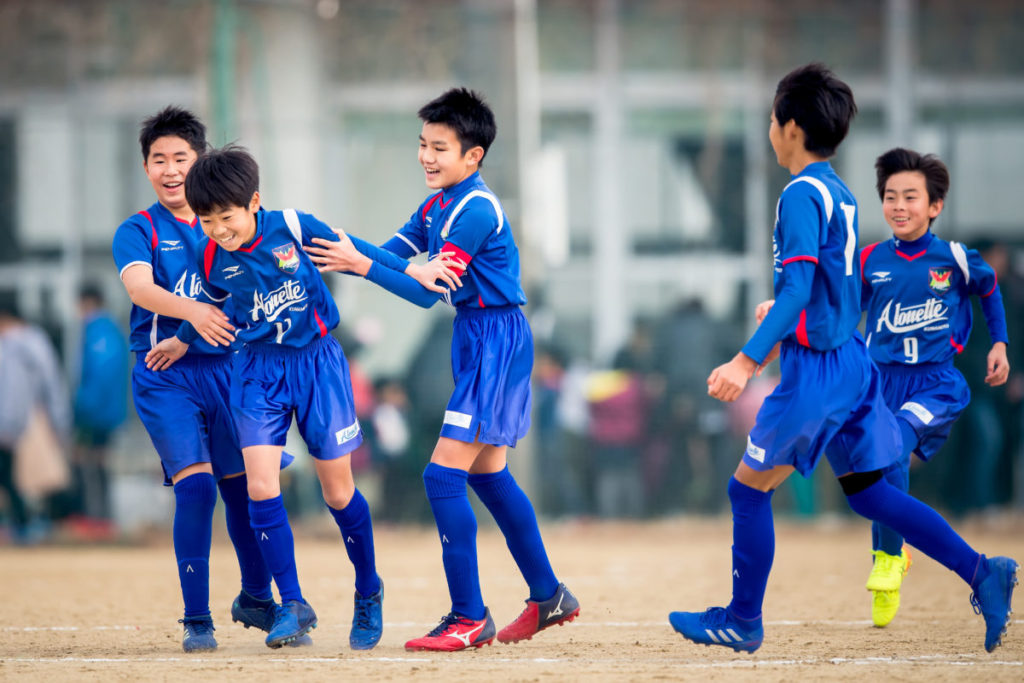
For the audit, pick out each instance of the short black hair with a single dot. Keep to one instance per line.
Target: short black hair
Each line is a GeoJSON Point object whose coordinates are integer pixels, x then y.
{"type": "Point", "coordinates": [898, 160]}
{"type": "Point", "coordinates": [222, 178]}
{"type": "Point", "coordinates": [466, 113]}
{"type": "Point", "coordinates": [9, 307]}
{"type": "Point", "coordinates": [174, 121]}
{"type": "Point", "coordinates": [91, 291]}
{"type": "Point", "coordinates": [821, 104]}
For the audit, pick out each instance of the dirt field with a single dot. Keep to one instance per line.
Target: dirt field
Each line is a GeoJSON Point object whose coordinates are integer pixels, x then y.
{"type": "Point", "coordinates": [109, 613]}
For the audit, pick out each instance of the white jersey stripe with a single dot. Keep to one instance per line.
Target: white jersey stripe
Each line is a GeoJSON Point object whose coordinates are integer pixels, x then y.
{"type": "Point", "coordinates": [960, 255]}
{"type": "Point", "coordinates": [134, 263]}
{"type": "Point", "coordinates": [294, 226]}
{"type": "Point", "coordinates": [475, 193]}
{"type": "Point", "coordinates": [820, 186]}
{"type": "Point", "coordinates": [415, 250]}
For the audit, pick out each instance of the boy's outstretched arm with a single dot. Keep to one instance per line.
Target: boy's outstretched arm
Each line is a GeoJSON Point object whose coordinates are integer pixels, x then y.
{"type": "Point", "coordinates": [208, 320]}
{"type": "Point", "coordinates": [352, 255]}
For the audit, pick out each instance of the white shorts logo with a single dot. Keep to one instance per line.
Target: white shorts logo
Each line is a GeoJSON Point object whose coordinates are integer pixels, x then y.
{"type": "Point", "coordinates": [755, 452]}
{"type": "Point", "coordinates": [463, 420]}
{"type": "Point", "coordinates": [348, 433]}
{"type": "Point", "coordinates": [919, 411]}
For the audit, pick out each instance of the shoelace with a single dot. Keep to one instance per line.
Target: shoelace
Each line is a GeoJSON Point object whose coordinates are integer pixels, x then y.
{"type": "Point", "coordinates": [199, 627]}
{"type": "Point", "coordinates": [975, 603]}
{"type": "Point", "coordinates": [362, 614]}
{"type": "Point", "coordinates": [715, 616]}
{"type": "Point", "coordinates": [447, 621]}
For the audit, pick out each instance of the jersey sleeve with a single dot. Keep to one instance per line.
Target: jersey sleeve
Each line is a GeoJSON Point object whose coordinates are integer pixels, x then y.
{"type": "Point", "coordinates": [478, 219]}
{"type": "Point", "coordinates": [793, 296]}
{"type": "Point", "coordinates": [802, 224]}
{"type": "Point", "coordinates": [133, 244]}
{"type": "Point", "coordinates": [411, 238]}
{"type": "Point", "coordinates": [984, 283]}
{"type": "Point", "coordinates": [983, 278]}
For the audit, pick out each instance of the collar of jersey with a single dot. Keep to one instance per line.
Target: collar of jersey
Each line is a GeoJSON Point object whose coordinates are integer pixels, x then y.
{"type": "Point", "coordinates": [814, 168]}
{"type": "Point", "coordinates": [170, 216]}
{"type": "Point", "coordinates": [915, 247]}
{"type": "Point", "coordinates": [461, 186]}
{"type": "Point", "coordinates": [256, 236]}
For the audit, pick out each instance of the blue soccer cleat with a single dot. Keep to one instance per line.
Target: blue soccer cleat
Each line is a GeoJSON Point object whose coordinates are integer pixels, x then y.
{"type": "Point", "coordinates": [367, 620]}
{"type": "Point", "coordinates": [198, 635]}
{"type": "Point", "coordinates": [992, 598]}
{"type": "Point", "coordinates": [256, 613]}
{"type": "Point", "coordinates": [253, 612]}
{"type": "Point", "coordinates": [292, 620]}
{"type": "Point", "coordinates": [716, 626]}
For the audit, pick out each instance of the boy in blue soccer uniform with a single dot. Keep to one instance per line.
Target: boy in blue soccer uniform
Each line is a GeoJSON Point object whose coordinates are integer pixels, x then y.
{"type": "Point", "coordinates": [492, 356]}
{"type": "Point", "coordinates": [288, 363]}
{"type": "Point", "coordinates": [916, 289]}
{"type": "Point", "coordinates": [185, 410]}
{"type": "Point", "coordinates": [829, 397]}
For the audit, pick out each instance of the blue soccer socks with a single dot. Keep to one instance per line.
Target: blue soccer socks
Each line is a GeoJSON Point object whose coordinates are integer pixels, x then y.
{"type": "Point", "coordinates": [753, 548]}
{"type": "Point", "coordinates": [919, 524]}
{"type": "Point", "coordinates": [255, 574]}
{"type": "Point", "coordinates": [195, 497]}
{"type": "Point", "coordinates": [274, 537]}
{"type": "Point", "coordinates": [357, 533]}
{"type": "Point", "coordinates": [515, 516]}
{"type": "Point", "coordinates": [456, 527]}
{"type": "Point", "coordinates": [883, 537]}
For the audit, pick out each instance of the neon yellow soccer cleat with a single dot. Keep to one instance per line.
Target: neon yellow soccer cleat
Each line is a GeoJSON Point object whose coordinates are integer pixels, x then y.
{"type": "Point", "coordinates": [884, 582]}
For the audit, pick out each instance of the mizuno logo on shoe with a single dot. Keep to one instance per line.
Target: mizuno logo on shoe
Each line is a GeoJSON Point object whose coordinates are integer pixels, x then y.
{"type": "Point", "coordinates": [558, 608]}
{"type": "Point", "coordinates": [465, 637]}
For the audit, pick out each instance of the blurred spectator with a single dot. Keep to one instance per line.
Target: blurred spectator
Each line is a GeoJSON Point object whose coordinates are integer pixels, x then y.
{"type": "Point", "coordinates": [400, 467]}
{"type": "Point", "coordinates": [618, 431]}
{"type": "Point", "coordinates": [559, 487]}
{"type": "Point", "coordinates": [689, 426]}
{"type": "Point", "coordinates": [100, 408]}
{"type": "Point", "coordinates": [34, 422]}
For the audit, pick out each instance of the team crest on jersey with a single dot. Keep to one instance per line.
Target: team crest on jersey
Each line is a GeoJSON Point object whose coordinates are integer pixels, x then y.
{"type": "Point", "coordinates": [938, 279]}
{"type": "Point", "coordinates": [287, 258]}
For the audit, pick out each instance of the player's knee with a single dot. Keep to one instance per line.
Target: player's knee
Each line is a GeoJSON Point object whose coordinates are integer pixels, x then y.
{"type": "Point", "coordinates": [260, 488]}
{"type": "Point", "coordinates": [338, 494]}
{"type": "Point", "coordinates": [859, 481]}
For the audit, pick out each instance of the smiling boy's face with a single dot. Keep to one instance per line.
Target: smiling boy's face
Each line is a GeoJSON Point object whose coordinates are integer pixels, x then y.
{"type": "Point", "coordinates": [231, 227]}
{"type": "Point", "coordinates": [906, 206]}
{"type": "Point", "coordinates": [442, 157]}
{"type": "Point", "coordinates": [169, 160]}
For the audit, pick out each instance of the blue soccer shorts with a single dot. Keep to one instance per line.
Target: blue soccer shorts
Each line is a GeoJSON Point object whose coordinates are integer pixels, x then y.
{"type": "Point", "coordinates": [826, 402]}
{"type": "Point", "coordinates": [271, 382]}
{"type": "Point", "coordinates": [929, 397]}
{"type": "Point", "coordinates": [185, 409]}
{"type": "Point", "coordinates": [492, 358]}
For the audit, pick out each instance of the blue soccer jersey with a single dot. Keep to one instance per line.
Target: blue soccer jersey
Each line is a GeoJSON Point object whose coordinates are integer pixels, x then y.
{"type": "Point", "coordinates": [467, 219]}
{"type": "Point", "coordinates": [171, 248]}
{"type": "Point", "coordinates": [277, 294]}
{"type": "Point", "coordinates": [918, 304]}
{"type": "Point", "coordinates": [816, 221]}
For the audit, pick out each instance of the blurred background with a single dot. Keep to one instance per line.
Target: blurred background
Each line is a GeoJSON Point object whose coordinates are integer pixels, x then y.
{"type": "Point", "coordinates": [632, 159]}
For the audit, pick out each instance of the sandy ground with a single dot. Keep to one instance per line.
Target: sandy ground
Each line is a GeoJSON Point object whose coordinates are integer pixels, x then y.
{"type": "Point", "coordinates": [109, 613]}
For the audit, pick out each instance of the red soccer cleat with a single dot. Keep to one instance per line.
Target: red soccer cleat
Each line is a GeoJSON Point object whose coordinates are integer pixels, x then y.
{"type": "Point", "coordinates": [558, 609]}
{"type": "Point", "coordinates": [456, 633]}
